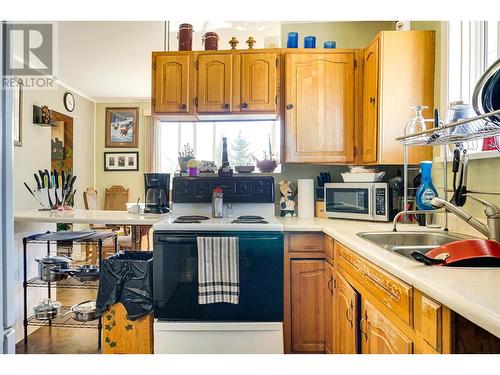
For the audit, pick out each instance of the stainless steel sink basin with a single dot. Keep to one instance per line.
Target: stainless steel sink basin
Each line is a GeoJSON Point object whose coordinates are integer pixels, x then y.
{"type": "Point", "coordinates": [403, 243]}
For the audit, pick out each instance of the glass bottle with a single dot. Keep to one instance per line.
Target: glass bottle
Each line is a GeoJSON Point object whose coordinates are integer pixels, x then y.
{"type": "Point", "coordinates": [426, 190]}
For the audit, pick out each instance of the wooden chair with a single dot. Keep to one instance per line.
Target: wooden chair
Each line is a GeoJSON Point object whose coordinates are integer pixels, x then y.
{"type": "Point", "coordinates": [91, 202]}
{"type": "Point", "coordinates": [116, 198]}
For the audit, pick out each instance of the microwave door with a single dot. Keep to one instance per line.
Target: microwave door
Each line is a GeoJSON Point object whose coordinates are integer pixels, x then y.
{"type": "Point", "coordinates": [348, 202]}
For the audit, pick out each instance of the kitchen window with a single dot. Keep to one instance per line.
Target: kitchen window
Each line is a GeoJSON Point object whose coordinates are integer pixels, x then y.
{"type": "Point", "coordinates": [472, 47]}
{"type": "Point", "coordinates": [246, 140]}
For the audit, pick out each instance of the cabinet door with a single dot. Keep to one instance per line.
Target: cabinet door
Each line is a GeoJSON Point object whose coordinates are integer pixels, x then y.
{"type": "Point", "coordinates": [172, 84]}
{"type": "Point", "coordinates": [347, 317]}
{"type": "Point", "coordinates": [370, 103]}
{"type": "Point", "coordinates": [381, 335]}
{"type": "Point", "coordinates": [308, 317]}
{"type": "Point", "coordinates": [213, 88]}
{"type": "Point", "coordinates": [319, 107]}
{"type": "Point", "coordinates": [329, 308]}
{"type": "Point", "coordinates": [258, 82]}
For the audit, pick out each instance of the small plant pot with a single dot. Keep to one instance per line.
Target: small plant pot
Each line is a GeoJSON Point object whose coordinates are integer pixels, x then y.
{"type": "Point", "coordinates": [266, 165]}
{"type": "Point", "coordinates": [183, 162]}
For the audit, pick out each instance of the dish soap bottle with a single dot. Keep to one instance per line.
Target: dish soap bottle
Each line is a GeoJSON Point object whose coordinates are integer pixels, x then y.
{"type": "Point", "coordinates": [426, 191]}
{"type": "Point", "coordinates": [217, 203]}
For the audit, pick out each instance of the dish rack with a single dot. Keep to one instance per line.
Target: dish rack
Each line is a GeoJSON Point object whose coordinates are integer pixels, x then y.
{"type": "Point", "coordinates": [478, 127]}
{"type": "Point", "coordinates": [49, 239]}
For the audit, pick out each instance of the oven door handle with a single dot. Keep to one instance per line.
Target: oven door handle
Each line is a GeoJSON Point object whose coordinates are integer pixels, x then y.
{"type": "Point", "coordinates": [372, 202]}
{"type": "Point", "coordinates": [178, 240]}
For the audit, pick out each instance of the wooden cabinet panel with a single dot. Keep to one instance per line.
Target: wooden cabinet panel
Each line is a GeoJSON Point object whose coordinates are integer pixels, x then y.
{"type": "Point", "coordinates": [329, 291]}
{"type": "Point", "coordinates": [347, 317]}
{"type": "Point", "coordinates": [172, 83]}
{"type": "Point", "coordinates": [307, 305]}
{"type": "Point", "coordinates": [305, 242]}
{"type": "Point", "coordinates": [370, 103]}
{"type": "Point", "coordinates": [258, 82]}
{"type": "Point", "coordinates": [431, 315]}
{"type": "Point", "coordinates": [380, 335]}
{"type": "Point", "coordinates": [214, 83]}
{"type": "Point", "coordinates": [392, 292]}
{"type": "Point", "coordinates": [319, 102]}
{"type": "Point", "coordinates": [328, 246]}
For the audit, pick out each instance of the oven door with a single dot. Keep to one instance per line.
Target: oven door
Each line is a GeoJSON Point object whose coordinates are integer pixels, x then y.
{"type": "Point", "coordinates": [175, 273]}
{"type": "Point", "coordinates": [349, 201]}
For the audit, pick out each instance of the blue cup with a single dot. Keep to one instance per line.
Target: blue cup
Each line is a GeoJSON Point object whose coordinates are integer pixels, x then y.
{"type": "Point", "coordinates": [293, 40]}
{"type": "Point", "coordinates": [310, 42]}
{"type": "Point", "coordinates": [330, 44]}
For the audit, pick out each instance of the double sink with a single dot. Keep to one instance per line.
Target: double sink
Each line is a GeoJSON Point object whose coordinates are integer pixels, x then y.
{"type": "Point", "coordinates": [403, 243]}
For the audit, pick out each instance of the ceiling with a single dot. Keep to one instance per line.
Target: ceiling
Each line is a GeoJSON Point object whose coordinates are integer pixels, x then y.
{"type": "Point", "coordinates": [111, 60]}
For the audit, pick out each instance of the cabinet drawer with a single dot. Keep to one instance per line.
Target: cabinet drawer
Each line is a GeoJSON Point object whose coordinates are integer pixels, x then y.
{"type": "Point", "coordinates": [305, 242]}
{"type": "Point", "coordinates": [393, 293]}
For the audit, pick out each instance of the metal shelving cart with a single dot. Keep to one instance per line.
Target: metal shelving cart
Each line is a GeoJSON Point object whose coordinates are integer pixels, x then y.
{"type": "Point", "coordinates": [62, 320]}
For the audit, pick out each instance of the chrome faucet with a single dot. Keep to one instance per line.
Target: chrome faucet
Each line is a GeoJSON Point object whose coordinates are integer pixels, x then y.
{"type": "Point", "coordinates": [413, 212]}
{"type": "Point", "coordinates": [492, 230]}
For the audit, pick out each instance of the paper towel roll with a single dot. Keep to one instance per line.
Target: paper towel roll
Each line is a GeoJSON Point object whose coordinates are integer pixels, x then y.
{"type": "Point", "coordinates": [305, 193]}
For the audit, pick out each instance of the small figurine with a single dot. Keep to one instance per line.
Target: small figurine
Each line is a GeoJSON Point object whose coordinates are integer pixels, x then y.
{"type": "Point", "coordinates": [233, 42]}
{"type": "Point", "coordinates": [251, 41]}
{"type": "Point", "coordinates": [47, 116]}
{"type": "Point", "coordinates": [287, 202]}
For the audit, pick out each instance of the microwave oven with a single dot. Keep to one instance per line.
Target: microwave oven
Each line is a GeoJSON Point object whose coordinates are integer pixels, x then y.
{"type": "Point", "coordinates": [359, 200]}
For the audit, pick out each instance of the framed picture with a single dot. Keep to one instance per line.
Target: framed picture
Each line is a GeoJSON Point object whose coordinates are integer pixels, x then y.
{"type": "Point", "coordinates": [121, 161]}
{"type": "Point", "coordinates": [122, 127]}
{"type": "Point", "coordinates": [17, 110]}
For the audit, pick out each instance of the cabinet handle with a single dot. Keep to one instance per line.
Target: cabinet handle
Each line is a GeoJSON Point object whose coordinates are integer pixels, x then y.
{"type": "Point", "coordinates": [226, 106]}
{"type": "Point", "coordinates": [289, 106]}
{"type": "Point", "coordinates": [361, 326]}
{"type": "Point", "coordinates": [244, 105]}
{"type": "Point", "coordinates": [182, 106]}
{"type": "Point", "coordinates": [330, 282]}
{"type": "Point", "coordinates": [372, 100]}
{"type": "Point", "coordinates": [349, 310]}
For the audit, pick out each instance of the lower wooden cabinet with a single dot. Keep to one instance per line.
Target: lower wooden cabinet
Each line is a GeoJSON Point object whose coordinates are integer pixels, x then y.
{"type": "Point", "coordinates": [329, 301]}
{"type": "Point", "coordinates": [346, 317]}
{"type": "Point", "coordinates": [380, 335]}
{"type": "Point", "coordinates": [308, 284]}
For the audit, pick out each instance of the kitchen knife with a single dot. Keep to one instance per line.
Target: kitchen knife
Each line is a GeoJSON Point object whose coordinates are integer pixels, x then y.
{"type": "Point", "coordinates": [42, 179]}
{"type": "Point", "coordinates": [38, 185]}
{"type": "Point", "coordinates": [71, 183]}
{"type": "Point", "coordinates": [63, 180]}
{"type": "Point", "coordinates": [45, 181]}
{"type": "Point", "coordinates": [56, 179]}
{"type": "Point", "coordinates": [47, 173]}
{"type": "Point", "coordinates": [31, 192]}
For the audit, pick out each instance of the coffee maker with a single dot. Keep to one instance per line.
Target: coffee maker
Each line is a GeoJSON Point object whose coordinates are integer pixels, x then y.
{"type": "Point", "coordinates": [157, 188]}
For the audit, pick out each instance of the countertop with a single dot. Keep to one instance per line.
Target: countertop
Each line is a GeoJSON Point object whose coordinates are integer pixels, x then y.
{"type": "Point", "coordinates": [472, 293]}
{"type": "Point", "coordinates": [78, 216]}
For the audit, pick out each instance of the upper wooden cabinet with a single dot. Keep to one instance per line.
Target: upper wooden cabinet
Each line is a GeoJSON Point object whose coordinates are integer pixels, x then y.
{"type": "Point", "coordinates": [258, 78]}
{"type": "Point", "coordinates": [214, 82]}
{"type": "Point", "coordinates": [196, 85]}
{"type": "Point", "coordinates": [398, 74]}
{"type": "Point", "coordinates": [172, 83]}
{"type": "Point", "coordinates": [319, 107]}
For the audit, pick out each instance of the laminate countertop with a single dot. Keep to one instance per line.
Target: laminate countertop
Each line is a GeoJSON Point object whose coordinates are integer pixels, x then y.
{"type": "Point", "coordinates": [471, 292]}
{"type": "Point", "coordinates": [78, 216]}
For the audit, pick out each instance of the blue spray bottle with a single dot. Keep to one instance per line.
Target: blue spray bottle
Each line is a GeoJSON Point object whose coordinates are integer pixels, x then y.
{"type": "Point", "coordinates": [426, 191]}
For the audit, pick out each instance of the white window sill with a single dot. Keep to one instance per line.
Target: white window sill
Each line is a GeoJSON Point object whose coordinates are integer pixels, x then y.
{"type": "Point", "coordinates": [472, 156]}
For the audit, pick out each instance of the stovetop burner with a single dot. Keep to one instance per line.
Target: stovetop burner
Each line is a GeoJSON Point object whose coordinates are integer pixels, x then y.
{"type": "Point", "coordinates": [190, 219]}
{"type": "Point", "coordinates": [249, 219]}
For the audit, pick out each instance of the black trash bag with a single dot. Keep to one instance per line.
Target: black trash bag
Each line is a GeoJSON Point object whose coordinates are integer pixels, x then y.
{"type": "Point", "coordinates": [127, 277]}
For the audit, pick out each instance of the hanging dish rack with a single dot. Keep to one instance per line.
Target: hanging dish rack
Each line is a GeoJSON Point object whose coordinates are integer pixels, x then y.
{"type": "Point", "coordinates": [477, 127]}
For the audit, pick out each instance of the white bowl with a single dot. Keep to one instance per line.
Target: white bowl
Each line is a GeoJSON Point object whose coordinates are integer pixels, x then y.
{"type": "Point", "coordinates": [363, 177]}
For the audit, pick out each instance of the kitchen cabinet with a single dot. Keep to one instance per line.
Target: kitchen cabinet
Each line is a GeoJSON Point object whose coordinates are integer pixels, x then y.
{"type": "Point", "coordinates": [320, 107]}
{"type": "Point", "coordinates": [214, 82]}
{"type": "Point", "coordinates": [380, 335]}
{"type": "Point", "coordinates": [398, 73]}
{"type": "Point", "coordinates": [172, 83]}
{"type": "Point", "coordinates": [346, 317]}
{"type": "Point", "coordinates": [308, 283]}
{"type": "Point", "coordinates": [257, 82]}
{"type": "Point", "coordinates": [329, 309]}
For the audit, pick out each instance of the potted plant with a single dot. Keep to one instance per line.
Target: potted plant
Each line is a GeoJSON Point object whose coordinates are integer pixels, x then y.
{"type": "Point", "coordinates": [185, 155]}
{"type": "Point", "coordinates": [267, 165]}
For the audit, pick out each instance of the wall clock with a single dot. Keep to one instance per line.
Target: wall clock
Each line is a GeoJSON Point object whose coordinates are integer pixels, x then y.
{"type": "Point", "coordinates": [69, 102]}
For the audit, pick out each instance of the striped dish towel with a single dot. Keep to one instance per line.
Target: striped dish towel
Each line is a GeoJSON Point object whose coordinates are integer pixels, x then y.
{"type": "Point", "coordinates": [218, 270]}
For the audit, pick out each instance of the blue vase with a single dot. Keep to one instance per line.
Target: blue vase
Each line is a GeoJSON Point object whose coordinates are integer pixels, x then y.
{"type": "Point", "coordinates": [310, 42]}
{"type": "Point", "coordinates": [330, 44]}
{"type": "Point", "coordinates": [293, 40]}
{"type": "Point", "coordinates": [426, 191]}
